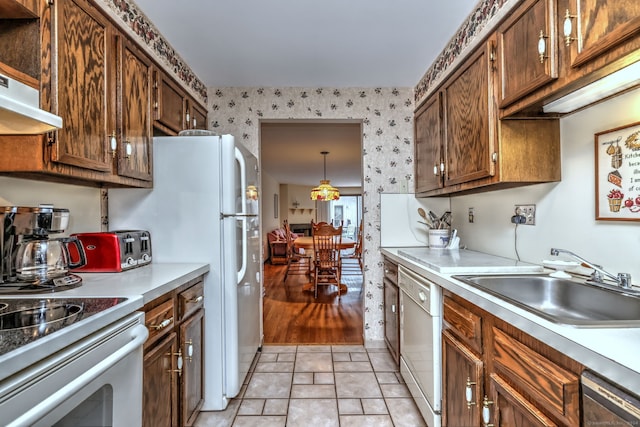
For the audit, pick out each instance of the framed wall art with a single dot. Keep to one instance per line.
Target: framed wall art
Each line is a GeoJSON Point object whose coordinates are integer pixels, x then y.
{"type": "Point", "coordinates": [617, 156]}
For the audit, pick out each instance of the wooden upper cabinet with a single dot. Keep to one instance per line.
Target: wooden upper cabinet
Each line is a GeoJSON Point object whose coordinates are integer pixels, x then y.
{"type": "Point", "coordinates": [597, 26]}
{"type": "Point", "coordinates": [79, 85]}
{"type": "Point", "coordinates": [527, 50]}
{"type": "Point", "coordinates": [134, 95]}
{"type": "Point", "coordinates": [429, 161]}
{"type": "Point", "coordinates": [196, 115]}
{"type": "Point", "coordinates": [168, 103]}
{"type": "Point", "coordinates": [470, 119]}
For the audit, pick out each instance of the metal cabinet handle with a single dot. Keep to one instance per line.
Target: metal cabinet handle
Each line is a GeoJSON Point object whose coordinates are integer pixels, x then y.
{"type": "Point", "coordinates": [542, 46]}
{"type": "Point", "coordinates": [486, 415]}
{"type": "Point", "coordinates": [393, 308]}
{"type": "Point", "coordinates": [189, 350]}
{"type": "Point", "coordinates": [469, 393]}
{"type": "Point", "coordinates": [113, 144]}
{"type": "Point", "coordinates": [163, 324]}
{"type": "Point", "coordinates": [435, 170]}
{"type": "Point", "coordinates": [179, 362]}
{"type": "Point", "coordinates": [568, 28]}
{"type": "Point", "coordinates": [128, 149]}
{"type": "Point", "coordinates": [195, 299]}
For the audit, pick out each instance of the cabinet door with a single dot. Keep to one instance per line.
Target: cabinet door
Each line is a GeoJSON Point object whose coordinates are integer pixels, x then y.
{"type": "Point", "coordinates": [428, 145]}
{"type": "Point", "coordinates": [77, 85]}
{"type": "Point", "coordinates": [462, 379]}
{"type": "Point", "coordinates": [169, 103]}
{"type": "Point", "coordinates": [197, 117]}
{"type": "Point", "coordinates": [391, 319]}
{"type": "Point", "coordinates": [192, 386]}
{"type": "Point", "coordinates": [508, 408]}
{"type": "Point", "coordinates": [522, 68]}
{"type": "Point", "coordinates": [160, 382]}
{"type": "Point", "coordinates": [599, 25]}
{"type": "Point", "coordinates": [134, 84]}
{"type": "Point", "coordinates": [470, 120]}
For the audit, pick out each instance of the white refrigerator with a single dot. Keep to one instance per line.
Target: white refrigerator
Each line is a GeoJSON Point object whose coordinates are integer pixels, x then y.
{"type": "Point", "coordinates": [204, 207]}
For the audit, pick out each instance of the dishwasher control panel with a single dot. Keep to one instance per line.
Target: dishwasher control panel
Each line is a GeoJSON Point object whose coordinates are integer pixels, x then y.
{"type": "Point", "coordinates": [421, 290]}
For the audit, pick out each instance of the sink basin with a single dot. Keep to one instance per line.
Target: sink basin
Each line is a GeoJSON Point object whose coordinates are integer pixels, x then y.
{"type": "Point", "coordinates": [41, 318]}
{"type": "Point", "coordinates": [563, 301]}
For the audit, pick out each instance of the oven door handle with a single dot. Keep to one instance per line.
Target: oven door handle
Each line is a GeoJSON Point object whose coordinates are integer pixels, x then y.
{"type": "Point", "coordinates": [139, 335]}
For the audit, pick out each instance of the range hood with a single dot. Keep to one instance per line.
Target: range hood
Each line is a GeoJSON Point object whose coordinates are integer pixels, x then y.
{"type": "Point", "coordinates": [607, 86]}
{"type": "Point", "coordinates": [19, 111]}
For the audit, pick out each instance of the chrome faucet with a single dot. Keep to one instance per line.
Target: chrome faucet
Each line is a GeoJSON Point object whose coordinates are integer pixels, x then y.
{"type": "Point", "coordinates": [622, 279]}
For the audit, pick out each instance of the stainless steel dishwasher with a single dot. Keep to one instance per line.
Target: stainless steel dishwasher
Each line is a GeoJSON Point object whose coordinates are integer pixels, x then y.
{"type": "Point", "coordinates": [605, 404]}
{"type": "Point", "coordinates": [420, 342]}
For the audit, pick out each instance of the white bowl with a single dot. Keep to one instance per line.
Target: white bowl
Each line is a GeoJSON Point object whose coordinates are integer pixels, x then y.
{"type": "Point", "coordinates": [560, 266]}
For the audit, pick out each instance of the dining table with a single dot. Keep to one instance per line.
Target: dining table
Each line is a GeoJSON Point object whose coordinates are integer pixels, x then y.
{"type": "Point", "coordinates": [306, 243]}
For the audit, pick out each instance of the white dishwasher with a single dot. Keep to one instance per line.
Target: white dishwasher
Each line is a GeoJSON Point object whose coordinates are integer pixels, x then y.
{"type": "Point", "coordinates": [420, 345]}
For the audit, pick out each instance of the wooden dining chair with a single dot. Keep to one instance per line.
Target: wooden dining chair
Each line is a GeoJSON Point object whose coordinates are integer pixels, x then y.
{"type": "Point", "coordinates": [298, 263]}
{"type": "Point", "coordinates": [326, 256]}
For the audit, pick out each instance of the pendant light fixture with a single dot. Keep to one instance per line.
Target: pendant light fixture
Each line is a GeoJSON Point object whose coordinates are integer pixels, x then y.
{"type": "Point", "coordinates": [325, 192]}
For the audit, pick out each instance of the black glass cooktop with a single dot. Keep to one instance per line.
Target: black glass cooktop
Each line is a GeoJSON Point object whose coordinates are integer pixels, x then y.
{"type": "Point", "coordinates": [25, 320]}
{"type": "Point", "coordinates": [63, 283]}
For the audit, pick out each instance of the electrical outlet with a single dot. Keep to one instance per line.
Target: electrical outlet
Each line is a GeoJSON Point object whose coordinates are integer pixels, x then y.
{"type": "Point", "coordinates": [528, 212]}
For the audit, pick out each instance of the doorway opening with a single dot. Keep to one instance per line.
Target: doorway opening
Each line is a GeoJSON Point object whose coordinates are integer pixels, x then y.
{"type": "Point", "coordinates": [291, 165]}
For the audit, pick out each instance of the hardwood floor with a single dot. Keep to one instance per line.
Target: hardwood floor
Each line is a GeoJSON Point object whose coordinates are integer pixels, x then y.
{"type": "Point", "coordinates": [293, 316]}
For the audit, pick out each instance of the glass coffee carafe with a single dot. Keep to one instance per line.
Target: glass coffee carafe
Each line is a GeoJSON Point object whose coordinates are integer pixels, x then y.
{"type": "Point", "coordinates": [39, 260]}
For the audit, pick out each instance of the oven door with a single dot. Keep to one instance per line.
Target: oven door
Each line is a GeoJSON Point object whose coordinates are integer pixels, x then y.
{"type": "Point", "coordinates": [96, 381]}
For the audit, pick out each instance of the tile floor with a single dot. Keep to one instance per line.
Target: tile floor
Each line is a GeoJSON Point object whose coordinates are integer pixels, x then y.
{"type": "Point", "coordinates": [320, 386]}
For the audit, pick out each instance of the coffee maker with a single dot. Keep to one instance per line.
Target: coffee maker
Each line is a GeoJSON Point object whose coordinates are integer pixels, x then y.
{"type": "Point", "coordinates": [30, 258]}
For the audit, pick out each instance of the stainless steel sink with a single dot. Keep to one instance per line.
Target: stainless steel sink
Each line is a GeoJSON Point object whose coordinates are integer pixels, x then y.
{"type": "Point", "coordinates": [563, 301]}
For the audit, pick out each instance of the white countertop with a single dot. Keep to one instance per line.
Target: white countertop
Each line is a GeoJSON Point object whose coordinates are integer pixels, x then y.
{"type": "Point", "coordinates": [139, 286]}
{"type": "Point", "coordinates": [612, 352]}
{"type": "Point", "coordinates": [462, 261]}
{"type": "Point", "coordinates": [149, 281]}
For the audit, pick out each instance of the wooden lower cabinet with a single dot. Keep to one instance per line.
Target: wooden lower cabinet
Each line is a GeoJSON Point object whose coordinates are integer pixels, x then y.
{"type": "Point", "coordinates": [160, 384]}
{"type": "Point", "coordinates": [174, 357]}
{"type": "Point", "coordinates": [510, 408]}
{"type": "Point", "coordinates": [503, 377]}
{"type": "Point", "coordinates": [192, 381]}
{"type": "Point", "coordinates": [392, 319]}
{"type": "Point", "coordinates": [391, 309]}
{"type": "Point", "coordinates": [462, 376]}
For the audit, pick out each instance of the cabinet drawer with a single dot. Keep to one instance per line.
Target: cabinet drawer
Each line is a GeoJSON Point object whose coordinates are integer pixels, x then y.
{"type": "Point", "coordinates": [159, 321]}
{"type": "Point", "coordinates": [391, 271]}
{"type": "Point", "coordinates": [191, 300]}
{"type": "Point", "coordinates": [465, 324]}
{"type": "Point", "coordinates": [552, 387]}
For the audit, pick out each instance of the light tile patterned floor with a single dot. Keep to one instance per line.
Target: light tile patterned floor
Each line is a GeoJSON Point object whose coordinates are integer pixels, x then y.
{"type": "Point", "coordinates": [345, 386]}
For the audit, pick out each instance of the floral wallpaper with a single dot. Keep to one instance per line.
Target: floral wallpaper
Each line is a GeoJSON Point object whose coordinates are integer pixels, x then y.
{"type": "Point", "coordinates": [387, 117]}
{"type": "Point", "coordinates": [470, 31]}
{"type": "Point", "coordinates": [148, 35]}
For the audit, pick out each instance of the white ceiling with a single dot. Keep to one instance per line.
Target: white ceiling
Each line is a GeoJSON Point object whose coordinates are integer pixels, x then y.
{"type": "Point", "coordinates": [308, 43]}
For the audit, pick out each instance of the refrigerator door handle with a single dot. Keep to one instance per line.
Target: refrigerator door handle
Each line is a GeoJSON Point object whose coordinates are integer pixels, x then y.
{"type": "Point", "coordinates": [243, 213]}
